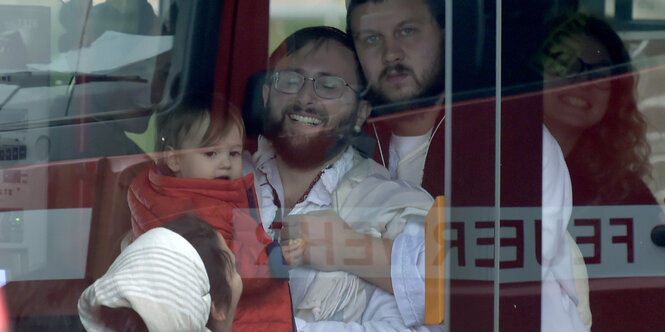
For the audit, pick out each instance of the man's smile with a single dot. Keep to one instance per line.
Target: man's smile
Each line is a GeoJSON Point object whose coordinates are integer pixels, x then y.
{"type": "Point", "coordinates": [305, 119]}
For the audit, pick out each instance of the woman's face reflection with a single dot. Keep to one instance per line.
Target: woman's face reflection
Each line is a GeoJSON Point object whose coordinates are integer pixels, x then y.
{"type": "Point", "coordinates": [577, 92]}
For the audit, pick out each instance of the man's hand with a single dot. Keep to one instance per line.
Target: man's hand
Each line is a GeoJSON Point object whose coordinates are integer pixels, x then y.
{"type": "Point", "coordinates": [331, 245]}
{"type": "Point", "coordinates": [325, 235]}
{"type": "Point", "coordinates": [292, 251]}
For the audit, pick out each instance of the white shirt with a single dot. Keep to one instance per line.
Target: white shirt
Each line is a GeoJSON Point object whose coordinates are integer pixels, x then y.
{"type": "Point", "coordinates": [381, 313]}
{"type": "Point", "coordinates": [408, 149]}
{"type": "Point", "coordinates": [267, 176]}
{"type": "Point", "coordinates": [558, 297]}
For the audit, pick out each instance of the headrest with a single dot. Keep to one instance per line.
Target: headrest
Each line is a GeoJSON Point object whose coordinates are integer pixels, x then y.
{"type": "Point", "coordinates": [252, 107]}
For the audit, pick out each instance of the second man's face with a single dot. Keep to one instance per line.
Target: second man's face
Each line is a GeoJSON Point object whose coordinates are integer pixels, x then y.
{"type": "Point", "coordinates": [399, 45]}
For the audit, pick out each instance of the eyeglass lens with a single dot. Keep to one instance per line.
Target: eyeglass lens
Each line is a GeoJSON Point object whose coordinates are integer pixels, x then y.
{"type": "Point", "coordinates": [565, 65]}
{"type": "Point", "coordinates": [326, 86]}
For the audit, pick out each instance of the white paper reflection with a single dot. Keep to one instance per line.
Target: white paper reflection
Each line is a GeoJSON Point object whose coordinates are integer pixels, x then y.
{"type": "Point", "coordinates": [110, 51]}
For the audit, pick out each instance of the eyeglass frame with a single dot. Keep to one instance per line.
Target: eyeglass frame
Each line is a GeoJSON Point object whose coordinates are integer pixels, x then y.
{"type": "Point", "coordinates": [275, 76]}
{"type": "Point", "coordinates": [585, 69]}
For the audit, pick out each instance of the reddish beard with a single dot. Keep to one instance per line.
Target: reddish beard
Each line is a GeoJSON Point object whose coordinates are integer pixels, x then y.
{"type": "Point", "coordinates": [303, 152]}
{"type": "Point", "coordinates": [307, 151]}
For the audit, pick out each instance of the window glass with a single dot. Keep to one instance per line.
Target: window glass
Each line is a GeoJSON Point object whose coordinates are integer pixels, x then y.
{"type": "Point", "coordinates": [601, 63]}
{"type": "Point", "coordinates": [287, 16]}
{"type": "Point", "coordinates": [79, 81]}
{"type": "Point", "coordinates": [547, 141]}
{"type": "Point", "coordinates": [71, 60]}
{"type": "Point", "coordinates": [648, 10]}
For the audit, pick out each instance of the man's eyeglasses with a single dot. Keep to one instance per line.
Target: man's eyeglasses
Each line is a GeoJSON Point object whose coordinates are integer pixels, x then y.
{"type": "Point", "coordinates": [325, 86]}
{"type": "Point", "coordinates": [571, 67]}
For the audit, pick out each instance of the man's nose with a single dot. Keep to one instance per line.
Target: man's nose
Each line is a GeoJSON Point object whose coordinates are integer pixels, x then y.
{"type": "Point", "coordinates": [392, 51]}
{"type": "Point", "coordinates": [307, 95]}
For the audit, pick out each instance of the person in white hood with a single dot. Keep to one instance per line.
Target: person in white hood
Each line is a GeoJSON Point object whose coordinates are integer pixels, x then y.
{"type": "Point", "coordinates": [179, 277]}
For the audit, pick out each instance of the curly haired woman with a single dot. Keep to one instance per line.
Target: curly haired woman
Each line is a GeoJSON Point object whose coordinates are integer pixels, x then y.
{"type": "Point", "coordinates": [590, 108]}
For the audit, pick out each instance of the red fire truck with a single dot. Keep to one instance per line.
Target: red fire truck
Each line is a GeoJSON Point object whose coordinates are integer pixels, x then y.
{"type": "Point", "coordinates": [82, 83]}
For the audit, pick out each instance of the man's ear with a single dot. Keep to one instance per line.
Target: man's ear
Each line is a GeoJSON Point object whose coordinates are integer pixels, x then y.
{"type": "Point", "coordinates": [364, 109]}
{"type": "Point", "coordinates": [172, 159]}
{"type": "Point", "coordinates": [266, 91]}
{"type": "Point", "coordinates": [218, 315]}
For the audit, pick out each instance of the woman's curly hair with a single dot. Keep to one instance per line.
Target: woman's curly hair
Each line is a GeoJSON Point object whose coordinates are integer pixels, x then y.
{"type": "Point", "coordinates": [614, 152]}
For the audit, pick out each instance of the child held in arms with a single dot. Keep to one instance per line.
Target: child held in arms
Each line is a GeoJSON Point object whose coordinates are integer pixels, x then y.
{"type": "Point", "coordinates": [199, 170]}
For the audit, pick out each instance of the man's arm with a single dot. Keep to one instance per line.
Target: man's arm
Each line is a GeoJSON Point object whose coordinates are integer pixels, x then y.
{"type": "Point", "coordinates": [395, 266]}
{"type": "Point", "coordinates": [331, 245]}
{"type": "Point", "coordinates": [380, 315]}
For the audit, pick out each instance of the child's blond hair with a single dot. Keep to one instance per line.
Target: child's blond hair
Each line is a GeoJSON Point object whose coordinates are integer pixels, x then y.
{"type": "Point", "coordinates": [174, 126]}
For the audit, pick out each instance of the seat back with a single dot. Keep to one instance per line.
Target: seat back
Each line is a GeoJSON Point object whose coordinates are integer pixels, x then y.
{"type": "Point", "coordinates": [96, 185]}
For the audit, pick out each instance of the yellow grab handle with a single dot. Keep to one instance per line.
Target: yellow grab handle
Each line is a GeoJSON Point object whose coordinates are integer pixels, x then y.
{"type": "Point", "coordinates": [435, 248]}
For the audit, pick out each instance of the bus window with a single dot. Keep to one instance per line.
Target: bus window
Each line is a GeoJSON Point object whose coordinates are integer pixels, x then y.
{"type": "Point", "coordinates": [288, 16]}
{"type": "Point", "coordinates": [64, 62]}
{"type": "Point", "coordinates": [472, 100]}
{"type": "Point", "coordinates": [80, 81]}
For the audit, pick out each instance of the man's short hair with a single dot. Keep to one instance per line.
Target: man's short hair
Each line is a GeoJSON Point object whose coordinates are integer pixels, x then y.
{"type": "Point", "coordinates": [317, 35]}
{"type": "Point", "coordinates": [436, 8]}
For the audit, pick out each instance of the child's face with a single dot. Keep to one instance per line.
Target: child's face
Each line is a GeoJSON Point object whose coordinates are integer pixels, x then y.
{"type": "Point", "coordinates": [222, 160]}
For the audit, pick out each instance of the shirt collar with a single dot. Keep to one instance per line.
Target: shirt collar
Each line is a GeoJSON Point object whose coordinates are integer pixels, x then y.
{"type": "Point", "coordinates": [320, 197]}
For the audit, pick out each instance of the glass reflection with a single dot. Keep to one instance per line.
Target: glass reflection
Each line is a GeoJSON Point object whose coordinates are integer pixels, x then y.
{"type": "Point", "coordinates": [589, 106]}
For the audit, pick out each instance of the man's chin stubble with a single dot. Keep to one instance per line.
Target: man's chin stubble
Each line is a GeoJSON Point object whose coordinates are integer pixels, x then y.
{"type": "Point", "coordinates": [382, 98]}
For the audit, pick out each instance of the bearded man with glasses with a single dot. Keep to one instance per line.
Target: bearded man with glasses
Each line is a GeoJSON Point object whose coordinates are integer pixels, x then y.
{"type": "Point", "coordinates": [312, 123]}
{"type": "Point", "coordinates": [306, 170]}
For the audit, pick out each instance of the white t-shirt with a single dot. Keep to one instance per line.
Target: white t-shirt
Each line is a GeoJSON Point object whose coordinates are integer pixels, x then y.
{"type": "Point", "coordinates": [412, 149]}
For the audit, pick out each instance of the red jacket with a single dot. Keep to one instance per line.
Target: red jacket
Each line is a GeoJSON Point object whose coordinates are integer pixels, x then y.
{"type": "Point", "coordinates": [229, 206]}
